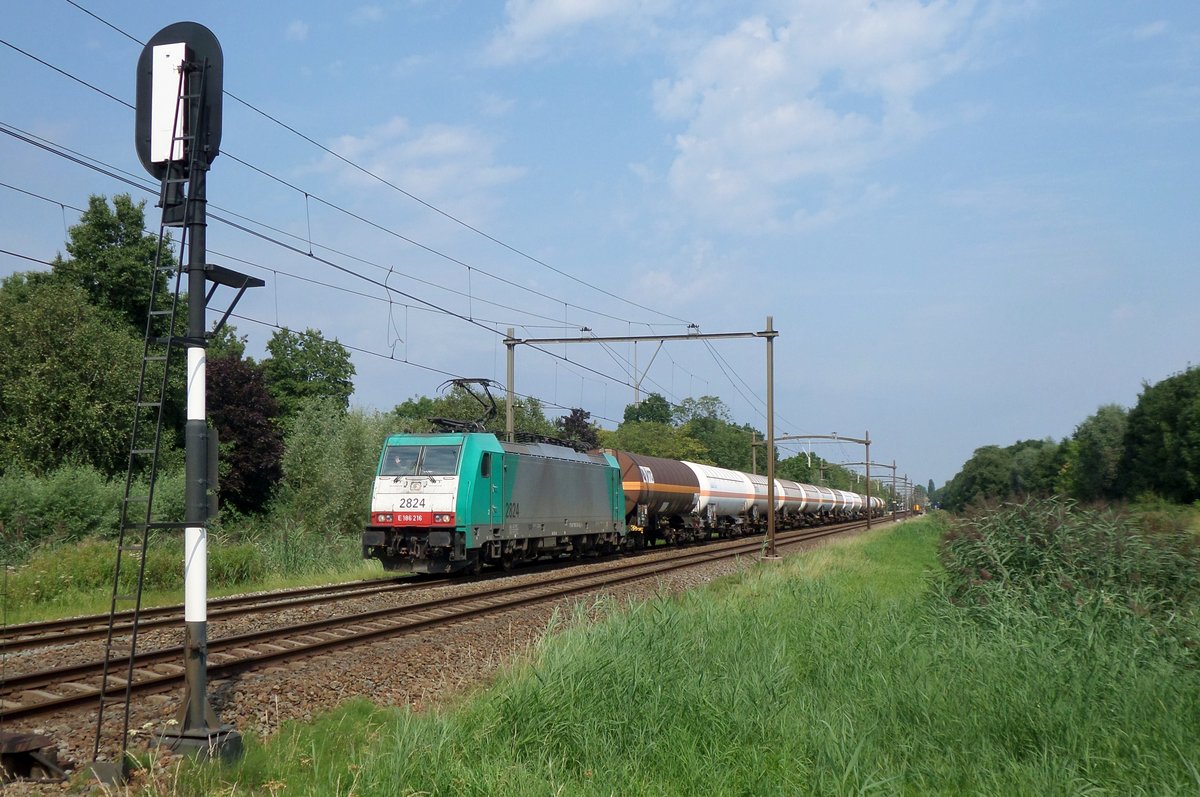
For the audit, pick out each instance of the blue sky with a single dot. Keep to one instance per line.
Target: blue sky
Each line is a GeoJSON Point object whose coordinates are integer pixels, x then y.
{"type": "Point", "coordinates": [972, 222]}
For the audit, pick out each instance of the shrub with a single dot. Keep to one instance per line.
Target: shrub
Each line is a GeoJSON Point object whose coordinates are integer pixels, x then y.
{"type": "Point", "coordinates": [329, 467]}
{"type": "Point", "coordinates": [68, 504]}
{"type": "Point", "coordinates": [1098, 568]}
{"type": "Point", "coordinates": [54, 574]}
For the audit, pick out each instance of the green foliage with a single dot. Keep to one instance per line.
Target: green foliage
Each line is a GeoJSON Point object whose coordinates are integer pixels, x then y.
{"type": "Point", "coordinates": [835, 673]}
{"type": "Point", "coordinates": [1152, 449]}
{"type": "Point", "coordinates": [59, 574]}
{"type": "Point", "coordinates": [707, 420]}
{"type": "Point", "coordinates": [244, 414]}
{"type": "Point", "coordinates": [812, 469]}
{"type": "Point", "coordinates": [652, 409]}
{"type": "Point", "coordinates": [68, 504]}
{"type": "Point", "coordinates": [1095, 453]}
{"type": "Point", "coordinates": [1028, 467]}
{"type": "Point", "coordinates": [1162, 440]}
{"type": "Point", "coordinates": [329, 467]}
{"type": "Point", "coordinates": [67, 377]}
{"type": "Point", "coordinates": [458, 404]}
{"type": "Point", "coordinates": [1100, 569]}
{"type": "Point", "coordinates": [72, 503]}
{"type": "Point", "coordinates": [112, 258]}
{"type": "Point", "coordinates": [227, 343]}
{"type": "Point", "coordinates": [655, 440]}
{"type": "Point", "coordinates": [304, 366]}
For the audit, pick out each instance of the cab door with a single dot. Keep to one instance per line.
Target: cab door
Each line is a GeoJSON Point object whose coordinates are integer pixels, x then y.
{"type": "Point", "coordinates": [491, 479]}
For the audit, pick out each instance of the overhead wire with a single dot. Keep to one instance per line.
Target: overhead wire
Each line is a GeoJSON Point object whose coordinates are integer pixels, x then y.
{"type": "Point", "coordinates": [406, 361]}
{"type": "Point", "coordinates": [118, 174]}
{"type": "Point", "coordinates": [112, 173]}
{"type": "Point", "coordinates": [402, 191]}
{"type": "Point", "coordinates": [363, 350]}
{"type": "Point", "coordinates": [723, 365]}
{"type": "Point", "coordinates": [5, 128]}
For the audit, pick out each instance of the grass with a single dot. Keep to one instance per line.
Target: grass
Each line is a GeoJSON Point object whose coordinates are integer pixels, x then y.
{"type": "Point", "coordinates": [76, 579]}
{"type": "Point", "coordinates": [842, 671]}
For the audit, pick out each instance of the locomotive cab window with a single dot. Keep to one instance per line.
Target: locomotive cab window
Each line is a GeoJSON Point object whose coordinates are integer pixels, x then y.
{"type": "Point", "coordinates": [400, 461]}
{"type": "Point", "coordinates": [420, 461]}
{"type": "Point", "coordinates": [485, 465]}
{"type": "Point", "coordinates": [439, 461]}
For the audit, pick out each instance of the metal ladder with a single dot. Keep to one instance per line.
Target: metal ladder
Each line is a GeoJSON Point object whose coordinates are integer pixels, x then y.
{"type": "Point", "coordinates": [138, 518]}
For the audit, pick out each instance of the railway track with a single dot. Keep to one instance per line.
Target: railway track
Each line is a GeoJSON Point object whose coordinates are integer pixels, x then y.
{"type": "Point", "coordinates": [61, 688]}
{"type": "Point", "coordinates": [27, 636]}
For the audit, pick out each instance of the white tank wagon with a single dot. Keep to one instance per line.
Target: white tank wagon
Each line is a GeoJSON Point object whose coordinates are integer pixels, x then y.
{"type": "Point", "coordinates": [726, 497]}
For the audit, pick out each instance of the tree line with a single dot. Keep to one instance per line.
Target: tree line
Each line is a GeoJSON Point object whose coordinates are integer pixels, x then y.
{"type": "Point", "coordinates": [1151, 450]}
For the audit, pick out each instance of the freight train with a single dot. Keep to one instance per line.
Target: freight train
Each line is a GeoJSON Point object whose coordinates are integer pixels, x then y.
{"type": "Point", "coordinates": [451, 502]}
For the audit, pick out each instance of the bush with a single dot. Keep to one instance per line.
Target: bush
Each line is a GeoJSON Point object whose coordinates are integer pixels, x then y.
{"type": "Point", "coordinates": [329, 467]}
{"type": "Point", "coordinates": [1099, 569]}
{"type": "Point", "coordinates": [68, 504]}
{"type": "Point", "coordinates": [71, 504]}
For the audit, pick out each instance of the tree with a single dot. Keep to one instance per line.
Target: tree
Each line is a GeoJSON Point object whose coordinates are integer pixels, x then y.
{"type": "Point", "coordinates": [579, 428]}
{"type": "Point", "coordinates": [227, 343]}
{"type": "Point", "coordinates": [707, 407]}
{"type": "Point", "coordinates": [329, 467]}
{"type": "Point", "coordinates": [1162, 440]}
{"type": "Point", "coordinates": [1095, 454]}
{"type": "Point", "coordinates": [457, 404]}
{"type": "Point", "coordinates": [112, 258]}
{"type": "Point", "coordinates": [654, 408]}
{"type": "Point", "coordinates": [68, 371]}
{"type": "Point", "coordinates": [987, 474]}
{"type": "Point", "coordinates": [654, 439]}
{"type": "Point", "coordinates": [244, 414]}
{"type": "Point", "coordinates": [303, 365]}
{"type": "Point", "coordinates": [707, 420]}
{"type": "Point", "coordinates": [1033, 468]}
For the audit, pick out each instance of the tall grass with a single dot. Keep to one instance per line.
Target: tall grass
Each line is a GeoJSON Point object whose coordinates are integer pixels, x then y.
{"type": "Point", "coordinates": [844, 671]}
{"type": "Point", "coordinates": [1086, 572]}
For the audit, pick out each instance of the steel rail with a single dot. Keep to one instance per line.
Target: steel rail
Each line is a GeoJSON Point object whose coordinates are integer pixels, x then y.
{"type": "Point", "coordinates": [17, 632]}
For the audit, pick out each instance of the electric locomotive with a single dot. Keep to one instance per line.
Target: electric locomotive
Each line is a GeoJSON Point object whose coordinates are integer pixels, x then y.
{"type": "Point", "coordinates": [453, 501]}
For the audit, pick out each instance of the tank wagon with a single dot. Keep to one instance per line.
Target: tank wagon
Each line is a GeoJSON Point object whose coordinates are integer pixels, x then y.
{"type": "Point", "coordinates": [678, 501]}
{"type": "Point", "coordinates": [452, 502]}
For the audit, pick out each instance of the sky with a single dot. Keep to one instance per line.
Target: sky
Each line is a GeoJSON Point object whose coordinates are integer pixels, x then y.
{"type": "Point", "coordinates": [971, 223]}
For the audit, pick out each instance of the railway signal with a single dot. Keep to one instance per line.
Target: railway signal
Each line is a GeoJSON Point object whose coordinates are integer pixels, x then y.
{"type": "Point", "coordinates": [177, 135]}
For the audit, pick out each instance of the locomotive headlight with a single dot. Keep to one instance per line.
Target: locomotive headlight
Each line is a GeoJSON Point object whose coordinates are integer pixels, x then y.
{"type": "Point", "coordinates": [383, 517]}
{"type": "Point", "coordinates": [444, 518]}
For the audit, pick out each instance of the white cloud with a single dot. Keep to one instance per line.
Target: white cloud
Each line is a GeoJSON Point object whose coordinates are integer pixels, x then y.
{"type": "Point", "coordinates": [494, 105]}
{"type": "Point", "coordinates": [532, 26]}
{"type": "Point", "coordinates": [775, 107]}
{"type": "Point", "coordinates": [409, 65]}
{"type": "Point", "coordinates": [367, 15]}
{"type": "Point", "coordinates": [1150, 30]}
{"type": "Point", "coordinates": [437, 162]}
{"type": "Point", "coordinates": [296, 31]}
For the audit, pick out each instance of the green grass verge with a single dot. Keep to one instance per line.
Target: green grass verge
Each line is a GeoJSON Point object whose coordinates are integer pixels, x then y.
{"type": "Point", "coordinates": [838, 672]}
{"type": "Point", "coordinates": [76, 579]}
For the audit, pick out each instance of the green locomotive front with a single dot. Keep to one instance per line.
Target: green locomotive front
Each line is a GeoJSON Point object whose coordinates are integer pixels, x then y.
{"type": "Point", "coordinates": [453, 502]}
